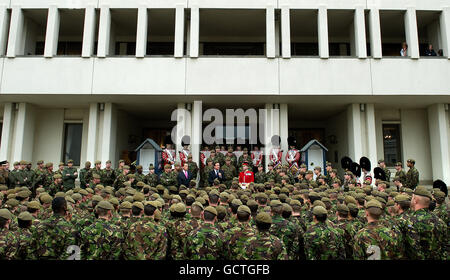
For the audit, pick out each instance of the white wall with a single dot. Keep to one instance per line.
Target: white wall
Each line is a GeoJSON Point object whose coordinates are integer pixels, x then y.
{"type": "Point", "coordinates": [48, 138]}
{"type": "Point", "coordinates": [126, 125]}
{"type": "Point", "coordinates": [416, 141]}
{"type": "Point", "coordinates": [336, 125]}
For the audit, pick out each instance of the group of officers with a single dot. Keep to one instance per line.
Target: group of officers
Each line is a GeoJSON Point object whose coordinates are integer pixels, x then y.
{"type": "Point", "coordinates": [231, 213]}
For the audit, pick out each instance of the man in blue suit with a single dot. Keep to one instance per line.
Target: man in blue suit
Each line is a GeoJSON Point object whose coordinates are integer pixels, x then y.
{"type": "Point", "coordinates": [184, 176]}
{"type": "Point", "coordinates": [217, 173]}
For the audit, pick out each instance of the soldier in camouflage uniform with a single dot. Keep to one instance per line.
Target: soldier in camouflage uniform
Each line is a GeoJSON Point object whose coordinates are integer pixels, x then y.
{"type": "Point", "coordinates": [139, 176]}
{"type": "Point", "coordinates": [322, 240]}
{"type": "Point", "coordinates": [382, 165]}
{"type": "Point", "coordinates": [69, 176]}
{"type": "Point", "coordinates": [85, 175]}
{"type": "Point", "coordinates": [219, 156]}
{"type": "Point", "coordinates": [177, 230]}
{"type": "Point", "coordinates": [8, 240]}
{"type": "Point", "coordinates": [121, 178]}
{"type": "Point", "coordinates": [263, 245]}
{"type": "Point", "coordinates": [53, 236]}
{"type": "Point", "coordinates": [102, 240]}
{"type": "Point", "coordinates": [108, 175]}
{"type": "Point", "coordinates": [245, 158]}
{"type": "Point", "coordinates": [167, 178]}
{"type": "Point", "coordinates": [272, 174]}
{"type": "Point", "coordinates": [412, 176]}
{"type": "Point", "coordinates": [192, 167]}
{"type": "Point", "coordinates": [119, 169]}
{"type": "Point", "coordinates": [97, 168]}
{"type": "Point", "coordinates": [24, 237]}
{"type": "Point", "coordinates": [56, 186]}
{"type": "Point", "coordinates": [229, 171]}
{"type": "Point", "coordinates": [400, 173]}
{"type": "Point", "coordinates": [236, 238]}
{"type": "Point", "coordinates": [441, 209]}
{"type": "Point", "coordinates": [232, 156]}
{"type": "Point", "coordinates": [205, 242]}
{"type": "Point", "coordinates": [146, 239]}
{"type": "Point", "coordinates": [205, 173]}
{"type": "Point", "coordinates": [375, 241]}
{"type": "Point", "coordinates": [260, 176]}
{"type": "Point", "coordinates": [60, 169]}
{"type": "Point", "coordinates": [427, 234]}
{"type": "Point", "coordinates": [151, 178]}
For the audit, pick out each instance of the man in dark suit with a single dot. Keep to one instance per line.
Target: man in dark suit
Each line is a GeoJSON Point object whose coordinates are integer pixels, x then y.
{"type": "Point", "coordinates": [184, 176]}
{"type": "Point", "coordinates": [217, 173]}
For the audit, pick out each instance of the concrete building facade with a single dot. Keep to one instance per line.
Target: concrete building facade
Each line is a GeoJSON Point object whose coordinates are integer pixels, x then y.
{"type": "Point", "coordinates": [96, 77]}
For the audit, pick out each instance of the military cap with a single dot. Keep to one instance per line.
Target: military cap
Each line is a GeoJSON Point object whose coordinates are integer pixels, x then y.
{"type": "Point", "coordinates": [46, 198]}
{"type": "Point", "coordinates": [212, 210]}
{"type": "Point", "coordinates": [180, 208]}
{"type": "Point", "coordinates": [106, 205]}
{"type": "Point", "coordinates": [131, 176]}
{"type": "Point", "coordinates": [380, 161]}
{"type": "Point", "coordinates": [325, 199]}
{"type": "Point", "coordinates": [352, 206]}
{"type": "Point", "coordinates": [342, 208]}
{"type": "Point", "coordinates": [96, 176]}
{"type": "Point", "coordinates": [108, 161]}
{"type": "Point", "coordinates": [138, 196]}
{"type": "Point", "coordinates": [69, 199]}
{"type": "Point", "coordinates": [138, 204]}
{"type": "Point", "coordinates": [319, 210]}
{"type": "Point", "coordinates": [373, 203]}
{"type": "Point", "coordinates": [61, 164]}
{"type": "Point", "coordinates": [151, 167]}
{"type": "Point", "coordinates": [23, 162]}
{"type": "Point", "coordinates": [236, 202]}
{"type": "Point", "coordinates": [86, 191]}
{"type": "Point", "coordinates": [23, 194]}
{"type": "Point", "coordinates": [48, 164]}
{"type": "Point", "coordinates": [422, 191]}
{"type": "Point", "coordinates": [411, 161]}
{"type": "Point", "coordinates": [153, 203]}
{"type": "Point", "coordinates": [244, 208]}
{"type": "Point", "coordinates": [295, 202]}
{"type": "Point", "coordinates": [3, 187]}
{"type": "Point", "coordinates": [60, 194]}
{"type": "Point", "coordinates": [380, 199]}
{"type": "Point", "coordinates": [126, 205]}
{"type": "Point", "coordinates": [40, 161]}
{"type": "Point", "coordinates": [126, 167]}
{"type": "Point", "coordinates": [264, 217]}
{"type": "Point", "coordinates": [438, 194]}
{"type": "Point", "coordinates": [114, 201]}
{"type": "Point", "coordinates": [69, 192]}
{"type": "Point", "coordinates": [57, 176]}
{"type": "Point", "coordinates": [12, 202]}
{"type": "Point", "coordinates": [176, 196]}
{"type": "Point", "coordinates": [287, 208]}
{"type": "Point", "coordinates": [273, 196]}
{"type": "Point", "coordinates": [275, 203]}
{"type": "Point", "coordinates": [121, 160]}
{"type": "Point", "coordinates": [6, 214]}
{"type": "Point", "coordinates": [97, 198]}
{"type": "Point", "coordinates": [349, 199]}
{"type": "Point", "coordinates": [167, 166]}
{"type": "Point", "coordinates": [25, 216]}
{"type": "Point", "coordinates": [390, 203]}
{"type": "Point", "coordinates": [348, 172]}
{"type": "Point", "coordinates": [408, 191]}
{"type": "Point", "coordinates": [319, 203]}
{"type": "Point", "coordinates": [221, 209]}
{"type": "Point", "coordinates": [309, 172]}
{"type": "Point", "coordinates": [251, 202]}
{"type": "Point", "coordinates": [76, 196]}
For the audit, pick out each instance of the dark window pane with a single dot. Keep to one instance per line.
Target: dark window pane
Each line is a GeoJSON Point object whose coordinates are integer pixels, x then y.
{"type": "Point", "coordinates": [233, 48]}
{"type": "Point", "coordinates": [39, 49]}
{"type": "Point", "coordinates": [310, 49]}
{"type": "Point", "coordinates": [391, 144]}
{"type": "Point", "coordinates": [160, 48]}
{"type": "Point", "coordinates": [72, 142]}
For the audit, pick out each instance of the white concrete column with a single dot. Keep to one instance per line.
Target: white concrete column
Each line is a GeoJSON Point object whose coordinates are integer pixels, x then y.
{"type": "Point", "coordinates": [52, 34]}
{"type": "Point", "coordinates": [197, 131]}
{"type": "Point", "coordinates": [270, 32]}
{"type": "Point", "coordinates": [109, 133]}
{"type": "Point", "coordinates": [412, 38]}
{"type": "Point", "coordinates": [194, 32]}
{"type": "Point", "coordinates": [285, 32]}
{"type": "Point", "coordinates": [445, 31]}
{"type": "Point", "coordinates": [360, 33]}
{"type": "Point", "coordinates": [371, 135]}
{"type": "Point", "coordinates": [439, 142]}
{"type": "Point", "coordinates": [4, 25]}
{"type": "Point", "coordinates": [181, 128]}
{"type": "Point", "coordinates": [24, 133]}
{"type": "Point", "coordinates": [141, 37]}
{"type": "Point", "coordinates": [284, 129]}
{"type": "Point", "coordinates": [7, 131]}
{"type": "Point", "coordinates": [15, 40]}
{"type": "Point", "coordinates": [89, 32]}
{"type": "Point", "coordinates": [104, 33]}
{"type": "Point", "coordinates": [322, 24]}
{"type": "Point", "coordinates": [354, 132]}
{"type": "Point", "coordinates": [267, 132]}
{"type": "Point", "coordinates": [375, 33]}
{"type": "Point", "coordinates": [92, 133]}
{"type": "Point", "coordinates": [179, 31]}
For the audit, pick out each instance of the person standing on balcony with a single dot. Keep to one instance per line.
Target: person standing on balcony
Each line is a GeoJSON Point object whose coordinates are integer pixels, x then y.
{"type": "Point", "coordinates": [403, 51]}
{"type": "Point", "coordinates": [430, 51]}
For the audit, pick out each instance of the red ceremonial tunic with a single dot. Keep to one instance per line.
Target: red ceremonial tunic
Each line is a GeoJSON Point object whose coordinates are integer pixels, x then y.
{"type": "Point", "coordinates": [246, 177]}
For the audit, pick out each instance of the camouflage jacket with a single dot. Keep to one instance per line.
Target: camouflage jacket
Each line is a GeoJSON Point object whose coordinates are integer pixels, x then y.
{"type": "Point", "coordinates": [376, 242]}
{"type": "Point", "coordinates": [205, 243]}
{"type": "Point", "coordinates": [348, 237]}
{"type": "Point", "coordinates": [229, 171]}
{"type": "Point", "coordinates": [324, 242]}
{"type": "Point", "coordinates": [69, 177]}
{"type": "Point", "coordinates": [442, 212]}
{"type": "Point", "coordinates": [412, 178]}
{"type": "Point", "coordinates": [236, 240]}
{"type": "Point", "coordinates": [101, 240]}
{"type": "Point", "coordinates": [402, 176]}
{"type": "Point", "coordinates": [85, 177]}
{"type": "Point", "coordinates": [265, 246]}
{"type": "Point", "coordinates": [426, 236]}
{"type": "Point", "coordinates": [152, 179]}
{"type": "Point", "coordinates": [108, 177]}
{"type": "Point", "coordinates": [24, 244]}
{"type": "Point", "coordinates": [260, 177]}
{"type": "Point", "coordinates": [52, 238]}
{"type": "Point", "coordinates": [168, 179]}
{"type": "Point", "coordinates": [193, 168]}
{"type": "Point", "coordinates": [288, 232]}
{"type": "Point", "coordinates": [177, 230]}
{"type": "Point", "coordinates": [146, 240]}
{"type": "Point", "coordinates": [8, 244]}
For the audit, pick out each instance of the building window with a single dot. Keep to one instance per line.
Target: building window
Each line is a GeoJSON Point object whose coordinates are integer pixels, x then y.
{"type": "Point", "coordinates": [392, 144]}
{"type": "Point", "coordinates": [72, 142]}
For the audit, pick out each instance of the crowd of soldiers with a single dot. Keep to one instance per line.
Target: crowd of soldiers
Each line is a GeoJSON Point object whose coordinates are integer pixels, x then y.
{"type": "Point", "coordinates": [117, 215]}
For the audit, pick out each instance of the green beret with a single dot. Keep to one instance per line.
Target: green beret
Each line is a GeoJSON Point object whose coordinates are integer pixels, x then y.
{"type": "Point", "coordinates": [319, 203]}
{"type": "Point", "coordinates": [120, 161]}
{"type": "Point", "coordinates": [140, 184]}
{"type": "Point", "coordinates": [57, 176]}
{"type": "Point", "coordinates": [77, 197]}
{"type": "Point", "coordinates": [151, 167]}
{"type": "Point", "coordinates": [221, 209]}
{"type": "Point", "coordinates": [252, 202]}
{"type": "Point", "coordinates": [106, 205]}
{"type": "Point", "coordinates": [126, 167]}
{"type": "Point", "coordinates": [6, 214]}
{"type": "Point", "coordinates": [138, 196]}
{"type": "Point", "coordinates": [352, 206]}
{"type": "Point", "coordinates": [439, 194]}
{"type": "Point", "coordinates": [167, 166]}
{"type": "Point", "coordinates": [342, 208]}
{"type": "Point", "coordinates": [397, 178]}
{"type": "Point", "coordinates": [129, 199]}
{"type": "Point", "coordinates": [96, 176]}
{"type": "Point", "coordinates": [25, 216]}
{"type": "Point", "coordinates": [319, 210]}
{"type": "Point", "coordinates": [399, 163]}
{"type": "Point", "coordinates": [236, 202]}
{"type": "Point", "coordinates": [69, 199]}
{"type": "Point", "coordinates": [408, 191]}
{"type": "Point", "coordinates": [213, 210]}
{"type": "Point", "coordinates": [23, 194]}
{"type": "Point", "coordinates": [264, 217]}
{"type": "Point", "coordinates": [48, 164]}
{"type": "Point", "coordinates": [97, 162]}
{"type": "Point", "coordinates": [153, 203]}
{"type": "Point", "coordinates": [245, 209]}
{"type": "Point", "coordinates": [138, 204]}
{"type": "Point", "coordinates": [390, 203]}
{"type": "Point", "coordinates": [12, 202]}
{"type": "Point", "coordinates": [180, 208]}
{"type": "Point", "coordinates": [275, 203]}
{"type": "Point", "coordinates": [108, 161]}
{"type": "Point", "coordinates": [380, 199]}
{"type": "Point", "coordinates": [411, 161]}
{"type": "Point", "coordinates": [46, 198]}
{"type": "Point", "coordinates": [295, 202]}
{"type": "Point", "coordinates": [201, 200]}
{"type": "Point", "coordinates": [198, 204]}
{"type": "Point", "coordinates": [287, 208]}
{"type": "Point", "coordinates": [97, 198]}
{"type": "Point", "coordinates": [325, 199]}
{"type": "Point", "coordinates": [125, 205]}
{"type": "Point", "coordinates": [373, 203]}
{"type": "Point", "coordinates": [349, 199]}
{"type": "Point", "coordinates": [422, 191]}
{"type": "Point", "coordinates": [86, 191]}
{"type": "Point", "coordinates": [114, 201]}
{"type": "Point", "coordinates": [131, 176]}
